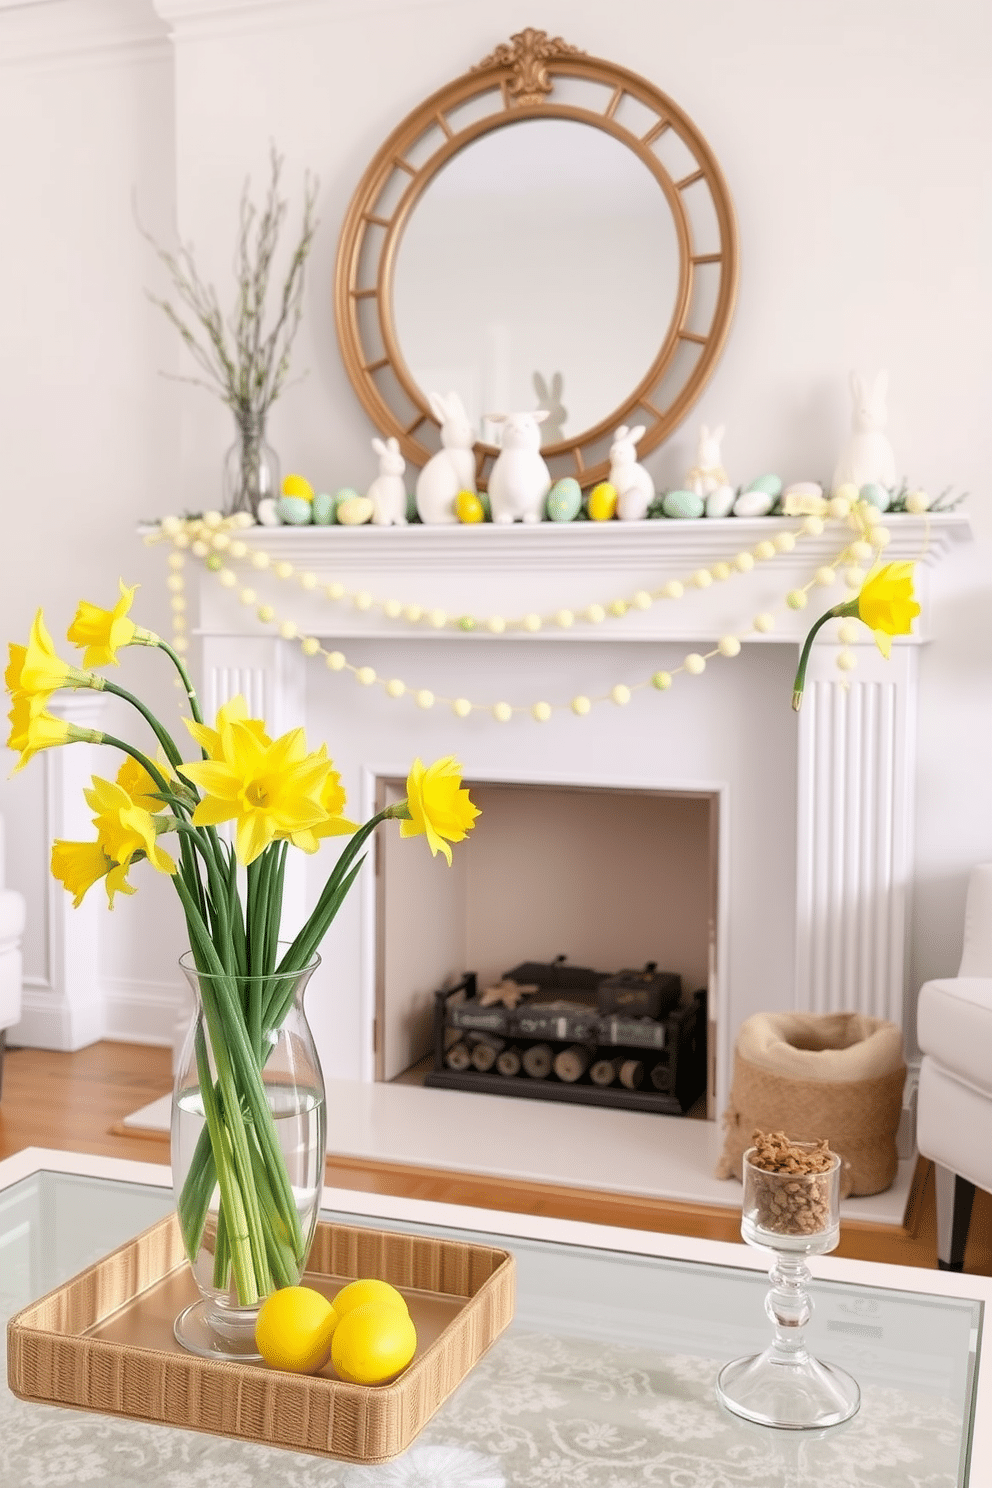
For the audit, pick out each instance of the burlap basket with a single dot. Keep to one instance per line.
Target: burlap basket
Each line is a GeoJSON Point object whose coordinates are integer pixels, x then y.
{"type": "Point", "coordinates": [814, 1075]}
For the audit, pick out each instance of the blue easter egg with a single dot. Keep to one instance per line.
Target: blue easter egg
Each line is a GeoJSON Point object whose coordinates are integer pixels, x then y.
{"type": "Point", "coordinates": [323, 508]}
{"type": "Point", "coordinates": [564, 500]}
{"type": "Point", "coordinates": [770, 484]}
{"type": "Point", "coordinates": [294, 511]}
{"type": "Point", "coordinates": [683, 504]}
{"type": "Point", "coordinates": [877, 495]}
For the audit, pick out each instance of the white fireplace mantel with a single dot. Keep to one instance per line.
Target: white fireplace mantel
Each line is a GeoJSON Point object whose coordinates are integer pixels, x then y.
{"type": "Point", "coordinates": [851, 858]}
{"type": "Point", "coordinates": [514, 570]}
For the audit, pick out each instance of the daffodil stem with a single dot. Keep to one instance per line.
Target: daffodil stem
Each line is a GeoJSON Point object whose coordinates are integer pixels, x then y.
{"type": "Point", "coordinates": [161, 733]}
{"type": "Point", "coordinates": [800, 682]}
{"type": "Point", "coordinates": [294, 957]}
{"type": "Point", "coordinates": [177, 662]}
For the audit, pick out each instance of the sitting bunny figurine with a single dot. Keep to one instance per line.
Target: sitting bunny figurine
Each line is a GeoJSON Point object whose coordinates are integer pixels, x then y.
{"type": "Point", "coordinates": [387, 492]}
{"type": "Point", "coordinates": [867, 456]}
{"type": "Point", "coordinates": [520, 479]}
{"type": "Point", "coordinates": [707, 474]}
{"type": "Point", "coordinates": [632, 483]}
{"type": "Point", "coordinates": [452, 469]}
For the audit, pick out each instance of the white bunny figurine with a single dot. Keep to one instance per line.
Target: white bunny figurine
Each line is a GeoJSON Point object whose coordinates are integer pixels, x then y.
{"type": "Point", "coordinates": [867, 456]}
{"type": "Point", "coordinates": [520, 479]}
{"type": "Point", "coordinates": [632, 483]}
{"type": "Point", "coordinates": [387, 492]}
{"type": "Point", "coordinates": [707, 473]}
{"type": "Point", "coordinates": [452, 469]}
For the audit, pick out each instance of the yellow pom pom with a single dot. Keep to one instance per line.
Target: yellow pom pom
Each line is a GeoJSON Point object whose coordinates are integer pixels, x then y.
{"type": "Point", "coordinates": [502, 712]}
{"type": "Point", "coordinates": [541, 711]}
{"type": "Point", "coordinates": [603, 502]}
{"type": "Point", "coordinates": [662, 680]}
{"type": "Point", "coordinates": [297, 485]}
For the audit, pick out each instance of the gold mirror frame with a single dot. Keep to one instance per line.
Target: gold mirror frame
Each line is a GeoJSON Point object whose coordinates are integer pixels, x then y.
{"type": "Point", "coordinates": [520, 76]}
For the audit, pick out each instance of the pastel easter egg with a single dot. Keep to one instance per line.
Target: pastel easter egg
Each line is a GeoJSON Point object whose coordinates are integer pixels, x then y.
{"type": "Point", "coordinates": [753, 504]}
{"type": "Point", "coordinates": [877, 495]}
{"type": "Point", "coordinates": [297, 485]}
{"type": "Point", "coordinates": [771, 485]}
{"type": "Point", "coordinates": [468, 507]}
{"type": "Point", "coordinates": [323, 508]}
{"type": "Point", "coordinates": [267, 514]}
{"type": "Point", "coordinates": [720, 503]}
{"type": "Point", "coordinates": [603, 502]}
{"type": "Point", "coordinates": [564, 500]}
{"type": "Point", "coordinates": [294, 511]}
{"type": "Point", "coordinates": [354, 511]}
{"type": "Point", "coordinates": [683, 504]}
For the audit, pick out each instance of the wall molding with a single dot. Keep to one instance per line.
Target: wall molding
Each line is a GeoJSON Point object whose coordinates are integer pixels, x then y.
{"type": "Point", "coordinates": [139, 1012]}
{"type": "Point", "coordinates": [54, 33]}
{"type": "Point", "coordinates": [190, 19]}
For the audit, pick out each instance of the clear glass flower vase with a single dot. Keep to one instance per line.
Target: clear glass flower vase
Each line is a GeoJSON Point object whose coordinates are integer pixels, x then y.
{"type": "Point", "coordinates": [248, 1149]}
{"type": "Point", "coordinates": [251, 467]}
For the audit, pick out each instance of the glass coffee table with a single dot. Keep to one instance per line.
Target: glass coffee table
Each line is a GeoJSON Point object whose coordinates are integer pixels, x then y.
{"type": "Point", "coordinates": [606, 1377]}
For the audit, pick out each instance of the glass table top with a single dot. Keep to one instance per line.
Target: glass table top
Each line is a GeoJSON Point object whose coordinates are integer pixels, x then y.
{"type": "Point", "coordinates": [604, 1379]}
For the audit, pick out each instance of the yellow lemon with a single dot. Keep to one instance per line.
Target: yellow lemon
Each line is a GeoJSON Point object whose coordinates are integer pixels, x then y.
{"type": "Point", "coordinates": [294, 1329]}
{"type": "Point", "coordinates": [468, 507]}
{"type": "Point", "coordinates": [297, 485]}
{"type": "Point", "coordinates": [357, 1293]}
{"type": "Point", "coordinates": [373, 1343]}
{"type": "Point", "coordinates": [602, 502]}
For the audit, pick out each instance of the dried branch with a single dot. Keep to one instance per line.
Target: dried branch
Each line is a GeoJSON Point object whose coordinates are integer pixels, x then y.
{"type": "Point", "coordinates": [242, 362]}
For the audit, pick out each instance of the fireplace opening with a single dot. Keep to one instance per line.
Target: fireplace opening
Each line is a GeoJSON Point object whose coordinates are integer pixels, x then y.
{"type": "Point", "coordinates": [609, 879]}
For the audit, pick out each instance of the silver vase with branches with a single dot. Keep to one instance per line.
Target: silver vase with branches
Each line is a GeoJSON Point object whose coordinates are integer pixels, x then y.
{"type": "Point", "coordinates": [238, 358]}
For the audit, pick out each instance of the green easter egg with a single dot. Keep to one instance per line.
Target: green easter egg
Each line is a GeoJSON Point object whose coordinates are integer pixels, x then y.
{"type": "Point", "coordinates": [770, 484]}
{"type": "Point", "coordinates": [294, 511]}
{"type": "Point", "coordinates": [564, 500]}
{"type": "Point", "coordinates": [877, 495]}
{"type": "Point", "coordinates": [323, 508]}
{"type": "Point", "coordinates": [683, 504]}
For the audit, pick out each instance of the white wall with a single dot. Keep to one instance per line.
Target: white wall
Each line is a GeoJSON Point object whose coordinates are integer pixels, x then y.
{"type": "Point", "coordinates": [855, 139]}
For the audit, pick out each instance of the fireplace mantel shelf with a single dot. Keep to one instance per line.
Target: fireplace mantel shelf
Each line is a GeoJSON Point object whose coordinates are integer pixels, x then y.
{"type": "Point", "coordinates": [514, 570]}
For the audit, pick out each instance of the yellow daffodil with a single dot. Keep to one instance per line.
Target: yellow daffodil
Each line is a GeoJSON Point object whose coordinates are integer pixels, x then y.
{"type": "Point", "coordinates": [32, 732]}
{"type": "Point", "coordinates": [79, 865]}
{"type": "Point", "coordinates": [332, 799]}
{"type": "Point", "coordinates": [267, 788]}
{"type": "Point", "coordinates": [140, 786]}
{"type": "Point", "coordinates": [104, 632]}
{"type": "Point", "coordinates": [210, 740]}
{"type": "Point", "coordinates": [124, 828]}
{"type": "Point", "coordinates": [886, 603]}
{"type": "Point", "coordinates": [439, 809]}
{"type": "Point", "coordinates": [41, 670]}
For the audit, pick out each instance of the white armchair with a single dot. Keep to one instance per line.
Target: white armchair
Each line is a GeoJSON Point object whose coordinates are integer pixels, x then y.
{"type": "Point", "coordinates": [11, 930]}
{"type": "Point", "coordinates": [954, 1120]}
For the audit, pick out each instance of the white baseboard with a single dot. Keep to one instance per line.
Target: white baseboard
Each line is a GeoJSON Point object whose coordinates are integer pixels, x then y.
{"type": "Point", "coordinates": [142, 1012]}
{"type": "Point", "coordinates": [49, 1022]}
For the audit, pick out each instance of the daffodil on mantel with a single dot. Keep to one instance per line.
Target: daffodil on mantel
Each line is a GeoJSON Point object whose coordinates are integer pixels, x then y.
{"type": "Point", "coordinates": [885, 604]}
{"type": "Point", "coordinates": [272, 794]}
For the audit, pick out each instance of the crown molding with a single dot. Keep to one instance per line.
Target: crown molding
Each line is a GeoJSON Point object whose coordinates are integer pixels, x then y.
{"type": "Point", "coordinates": [62, 32]}
{"type": "Point", "coordinates": [196, 18]}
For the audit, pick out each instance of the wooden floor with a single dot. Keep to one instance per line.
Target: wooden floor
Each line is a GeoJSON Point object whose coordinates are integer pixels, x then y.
{"type": "Point", "coordinates": [74, 1102]}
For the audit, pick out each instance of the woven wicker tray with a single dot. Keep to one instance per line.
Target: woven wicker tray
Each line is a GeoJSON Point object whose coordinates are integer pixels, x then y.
{"type": "Point", "coordinates": [104, 1342]}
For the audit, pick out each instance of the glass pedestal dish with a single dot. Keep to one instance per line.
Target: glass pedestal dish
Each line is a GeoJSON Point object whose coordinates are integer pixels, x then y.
{"type": "Point", "coordinates": [794, 1215]}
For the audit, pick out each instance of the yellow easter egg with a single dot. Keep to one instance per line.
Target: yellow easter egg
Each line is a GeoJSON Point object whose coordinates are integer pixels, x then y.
{"type": "Point", "coordinates": [602, 502]}
{"type": "Point", "coordinates": [295, 1328]}
{"type": "Point", "coordinates": [468, 507]}
{"type": "Point", "coordinates": [297, 485]}
{"type": "Point", "coordinates": [373, 1343]}
{"type": "Point", "coordinates": [357, 1293]}
{"type": "Point", "coordinates": [354, 511]}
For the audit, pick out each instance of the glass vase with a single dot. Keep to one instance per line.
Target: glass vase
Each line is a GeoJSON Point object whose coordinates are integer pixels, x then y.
{"type": "Point", "coordinates": [793, 1215]}
{"type": "Point", "coordinates": [251, 467]}
{"type": "Point", "coordinates": [248, 1150]}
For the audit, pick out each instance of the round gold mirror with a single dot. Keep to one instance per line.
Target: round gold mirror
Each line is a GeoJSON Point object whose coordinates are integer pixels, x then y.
{"type": "Point", "coordinates": [549, 231]}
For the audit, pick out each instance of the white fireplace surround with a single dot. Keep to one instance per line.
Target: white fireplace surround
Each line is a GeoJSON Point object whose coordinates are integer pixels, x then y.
{"type": "Point", "coordinates": [850, 838]}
